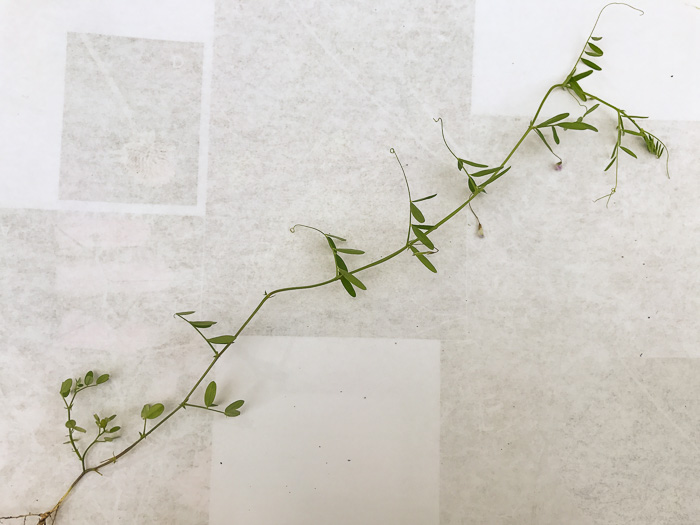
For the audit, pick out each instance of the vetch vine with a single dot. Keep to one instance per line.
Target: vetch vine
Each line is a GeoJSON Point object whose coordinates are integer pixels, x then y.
{"type": "Point", "coordinates": [418, 243]}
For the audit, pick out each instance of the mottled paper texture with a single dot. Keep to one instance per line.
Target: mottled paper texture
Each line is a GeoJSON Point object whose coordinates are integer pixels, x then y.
{"type": "Point", "coordinates": [154, 156]}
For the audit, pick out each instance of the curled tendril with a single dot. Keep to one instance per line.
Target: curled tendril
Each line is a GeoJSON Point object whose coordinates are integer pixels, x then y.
{"type": "Point", "coordinates": [293, 228]}
{"type": "Point", "coordinates": [442, 130]}
{"type": "Point", "coordinates": [408, 189]}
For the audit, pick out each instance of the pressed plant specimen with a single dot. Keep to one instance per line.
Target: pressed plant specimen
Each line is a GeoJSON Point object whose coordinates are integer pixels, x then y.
{"type": "Point", "coordinates": [550, 130]}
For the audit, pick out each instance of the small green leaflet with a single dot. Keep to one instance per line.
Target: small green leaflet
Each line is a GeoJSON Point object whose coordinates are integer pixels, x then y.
{"type": "Point", "coordinates": [70, 423]}
{"type": "Point", "coordinates": [210, 394]}
{"type": "Point", "coordinates": [232, 409]}
{"type": "Point", "coordinates": [422, 237]}
{"type": "Point", "coordinates": [202, 324]}
{"type": "Point", "coordinates": [629, 152]}
{"type": "Point", "coordinates": [65, 387]}
{"type": "Point", "coordinates": [423, 259]}
{"type": "Point", "coordinates": [88, 378]}
{"type": "Point", "coordinates": [350, 251]}
{"type": "Point", "coordinates": [552, 120]}
{"type": "Point", "coordinates": [472, 185]}
{"type": "Point", "coordinates": [353, 280]}
{"type": "Point", "coordinates": [554, 134]}
{"type": "Point", "coordinates": [611, 163]}
{"type": "Point", "coordinates": [348, 287]}
{"type": "Point", "coordinates": [102, 379]}
{"type": "Point", "coordinates": [489, 171]}
{"type": "Point", "coordinates": [539, 134]}
{"type": "Point", "coordinates": [185, 313]}
{"type": "Point", "coordinates": [340, 263]}
{"type": "Point", "coordinates": [576, 125]}
{"type": "Point", "coordinates": [425, 198]}
{"type": "Point", "coordinates": [578, 77]}
{"type": "Point", "coordinates": [596, 50]}
{"type": "Point", "coordinates": [632, 132]}
{"type": "Point", "coordinates": [152, 411]}
{"type": "Point", "coordinates": [460, 164]}
{"type": "Point", "coordinates": [417, 213]}
{"type": "Point", "coordinates": [596, 38]}
{"type": "Point", "coordinates": [331, 243]}
{"type": "Point", "coordinates": [474, 164]}
{"type": "Point", "coordinates": [577, 89]}
{"type": "Point", "coordinates": [590, 64]}
{"type": "Point", "coordinates": [591, 110]}
{"type": "Point", "coordinates": [222, 340]}
{"type": "Point", "coordinates": [335, 237]}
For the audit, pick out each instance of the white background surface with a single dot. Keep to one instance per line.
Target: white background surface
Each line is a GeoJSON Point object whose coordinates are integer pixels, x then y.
{"type": "Point", "coordinates": [568, 335]}
{"type": "Point", "coordinates": [340, 431]}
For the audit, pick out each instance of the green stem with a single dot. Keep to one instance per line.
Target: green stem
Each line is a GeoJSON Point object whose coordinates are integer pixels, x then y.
{"type": "Point", "coordinates": [99, 434]}
{"type": "Point", "coordinates": [69, 406]}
